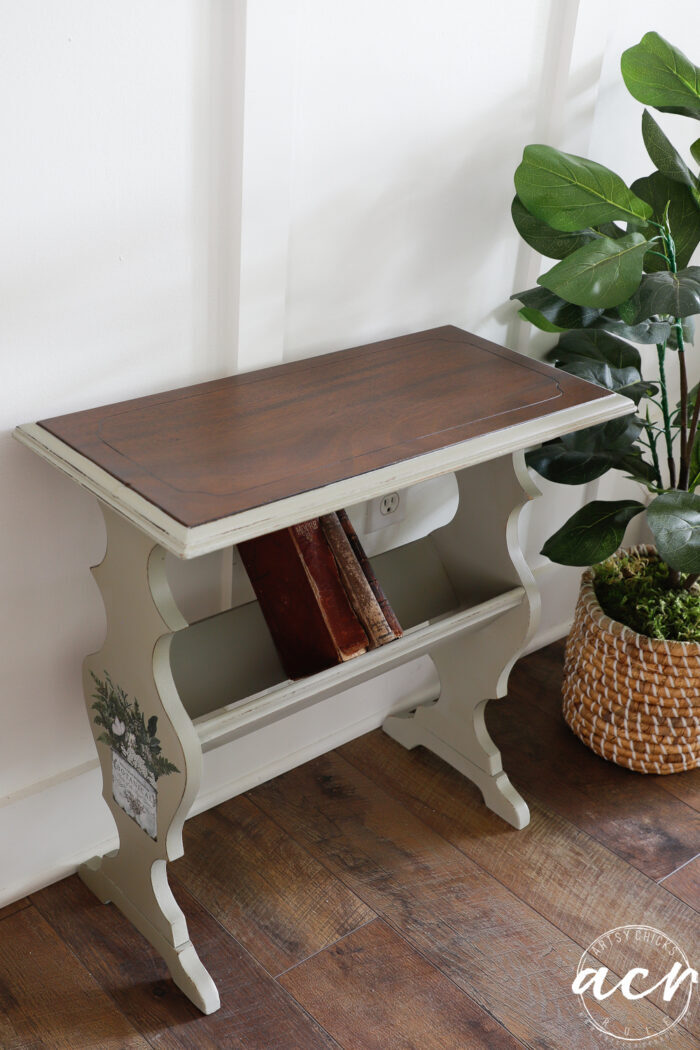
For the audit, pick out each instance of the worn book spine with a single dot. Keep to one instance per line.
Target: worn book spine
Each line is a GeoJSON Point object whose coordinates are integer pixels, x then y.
{"type": "Point", "coordinates": [366, 566]}
{"type": "Point", "coordinates": [357, 588]}
{"type": "Point", "coordinates": [288, 603]}
{"type": "Point", "coordinates": [303, 601]}
{"type": "Point", "coordinates": [322, 572]}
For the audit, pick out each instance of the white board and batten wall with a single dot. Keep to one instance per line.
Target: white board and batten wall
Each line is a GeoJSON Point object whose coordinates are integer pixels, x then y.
{"type": "Point", "coordinates": [195, 187]}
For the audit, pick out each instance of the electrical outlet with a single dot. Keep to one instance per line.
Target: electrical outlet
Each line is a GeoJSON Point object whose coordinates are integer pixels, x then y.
{"type": "Point", "coordinates": [385, 510]}
{"type": "Point", "coordinates": [422, 508]}
{"type": "Point", "coordinates": [389, 504]}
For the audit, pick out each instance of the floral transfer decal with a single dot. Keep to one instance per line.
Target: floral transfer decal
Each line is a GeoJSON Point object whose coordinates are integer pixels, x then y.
{"type": "Point", "coordinates": [137, 759]}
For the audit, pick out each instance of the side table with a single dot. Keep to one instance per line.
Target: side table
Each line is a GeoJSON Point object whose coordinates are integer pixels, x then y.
{"type": "Point", "coordinates": [202, 468]}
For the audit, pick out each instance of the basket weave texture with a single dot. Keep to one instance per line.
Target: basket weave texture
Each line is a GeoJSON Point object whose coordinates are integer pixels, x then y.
{"type": "Point", "coordinates": [633, 700]}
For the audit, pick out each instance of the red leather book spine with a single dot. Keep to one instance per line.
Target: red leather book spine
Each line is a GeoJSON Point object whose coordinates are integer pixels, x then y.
{"type": "Point", "coordinates": [288, 603]}
{"type": "Point", "coordinates": [345, 629]}
{"type": "Point", "coordinates": [296, 582]}
{"type": "Point", "coordinates": [366, 567]}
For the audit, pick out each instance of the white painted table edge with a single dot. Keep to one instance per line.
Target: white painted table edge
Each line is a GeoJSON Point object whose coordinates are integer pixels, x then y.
{"type": "Point", "coordinates": [191, 542]}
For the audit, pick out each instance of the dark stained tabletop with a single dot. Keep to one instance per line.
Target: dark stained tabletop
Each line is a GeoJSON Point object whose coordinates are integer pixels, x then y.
{"type": "Point", "coordinates": [208, 451]}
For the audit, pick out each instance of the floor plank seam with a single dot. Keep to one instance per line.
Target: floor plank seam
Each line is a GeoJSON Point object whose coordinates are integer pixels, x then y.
{"type": "Point", "coordinates": [418, 951]}
{"type": "Point", "coordinates": [14, 910]}
{"type": "Point", "coordinates": [679, 868]}
{"type": "Point", "coordinates": [173, 879]}
{"type": "Point", "coordinates": [479, 1006]}
{"type": "Point", "coordinates": [288, 995]}
{"type": "Point", "coordinates": [326, 947]}
{"type": "Point", "coordinates": [530, 796]}
{"type": "Point", "coordinates": [307, 1013]}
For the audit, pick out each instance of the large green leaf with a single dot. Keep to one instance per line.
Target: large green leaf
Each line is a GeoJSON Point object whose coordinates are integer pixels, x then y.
{"type": "Point", "coordinates": [664, 154]}
{"type": "Point", "coordinates": [647, 331]}
{"type": "Point", "coordinates": [539, 320]}
{"type": "Point", "coordinates": [574, 467]}
{"type": "Point", "coordinates": [585, 455]}
{"type": "Point", "coordinates": [659, 75]}
{"type": "Point", "coordinates": [571, 193]}
{"type": "Point", "coordinates": [562, 316]}
{"type": "Point", "coordinates": [593, 533]}
{"type": "Point", "coordinates": [621, 433]}
{"type": "Point", "coordinates": [556, 310]}
{"type": "Point", "coordinates": [677, 294]}
{"type": "Point", "coordinates": [694, 471]}
{"type": "Point", "coordinates": [594, 344]}
{"type": "Point", "coordinates": [568, 466]}
{"type": "Point", "coordinates": [625, 381]}
{"type": "Point", "coordinates": [555, 244]}
{"type": "Point", "coordinates": [695, 151]}
{"type": "Point", "coordinates": [637, 468]}
{"type": "Point", "coordinates": [600, 274]}
{"type": "Point", "coordinates": [600, 373]}
{"type": "Point", "coordinates": [674, 519]}
{"type": "Point", "coordinates": [683, 217]}
{"type": "Point", "coordinates": [636, 391]}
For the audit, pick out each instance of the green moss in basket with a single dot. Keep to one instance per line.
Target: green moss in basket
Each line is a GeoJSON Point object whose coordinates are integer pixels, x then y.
{"type": "Point", "coordinates": [635, 590]}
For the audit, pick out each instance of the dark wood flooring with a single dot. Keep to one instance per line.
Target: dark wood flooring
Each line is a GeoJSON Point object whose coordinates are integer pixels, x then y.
{"type": "Point", "coordinates": [369, 900]}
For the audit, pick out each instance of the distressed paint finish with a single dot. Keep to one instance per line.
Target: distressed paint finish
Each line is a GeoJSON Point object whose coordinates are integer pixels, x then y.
{"type": "Point", "coordinates": [479, 544]}
{"type": "Point", "coordinates": [141, 617]}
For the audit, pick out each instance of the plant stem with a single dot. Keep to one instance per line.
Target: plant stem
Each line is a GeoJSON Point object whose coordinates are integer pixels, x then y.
{"type": "Point", "coordinates": [674, 578]}
{"type": "Point", "coordinates": [652, 446]}
{"type": "Point", "coordinates": [685, 456]}
{"type": "Point", "coordinates": [690, 580]}
{"type": "Point", "coordinates": [687, 433]}
{"type": "Point", "coordinates": [693, 428]}
{"type": "Point", "coordinates": [661, 354]}
{"type": "Point", "coordinates": [670, 252]}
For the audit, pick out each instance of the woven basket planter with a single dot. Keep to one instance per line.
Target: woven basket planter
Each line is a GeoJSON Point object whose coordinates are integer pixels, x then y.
{"type": "Point", "coordinates": [633, 700]}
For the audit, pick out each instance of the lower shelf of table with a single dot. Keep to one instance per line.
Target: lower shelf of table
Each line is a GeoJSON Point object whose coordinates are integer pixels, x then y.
{"type": "Point", "coordinates": [244, 715]}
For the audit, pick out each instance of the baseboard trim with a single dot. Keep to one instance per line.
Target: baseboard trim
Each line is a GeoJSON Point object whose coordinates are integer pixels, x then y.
{"type": "Point", "coordinates": [49, 846]}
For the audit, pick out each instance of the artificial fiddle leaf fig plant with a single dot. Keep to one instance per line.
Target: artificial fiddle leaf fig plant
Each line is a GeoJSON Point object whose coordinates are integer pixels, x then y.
{"type": "Point", "coordinates": [623, 277]}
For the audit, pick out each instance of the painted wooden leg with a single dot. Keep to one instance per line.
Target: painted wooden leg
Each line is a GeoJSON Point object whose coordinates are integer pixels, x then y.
{"type": "Point", "coordinates": [148, 749]}
{"type": "Point", "coordinates": [474, 668]}
{"type": "Point", "coordinates": [453, 727]}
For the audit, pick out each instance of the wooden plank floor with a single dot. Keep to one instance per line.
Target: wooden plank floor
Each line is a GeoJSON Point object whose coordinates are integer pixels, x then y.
{"type": "Point", "coordinates": [369, 900]}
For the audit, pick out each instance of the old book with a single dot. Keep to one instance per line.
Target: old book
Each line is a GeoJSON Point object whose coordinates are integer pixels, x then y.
{"type": "Point", "coordinates": [296, 581]}
{"type": "Point", "coordinates": [322, 571]}
{"type": "Point", "coordinates": [357, 588]}
{"type": "Point", "coordinates": [366, 566]}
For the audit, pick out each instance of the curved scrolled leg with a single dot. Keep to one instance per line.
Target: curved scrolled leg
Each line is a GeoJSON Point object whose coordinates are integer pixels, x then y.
{"type": "Point", "coordinates": [148, 750]}
{"type": "Point", "coordinates": [474, 668]}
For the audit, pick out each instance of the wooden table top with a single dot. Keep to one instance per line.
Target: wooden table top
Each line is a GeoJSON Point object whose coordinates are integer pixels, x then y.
{"type": "Point", "coordinates": [205, 452]}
